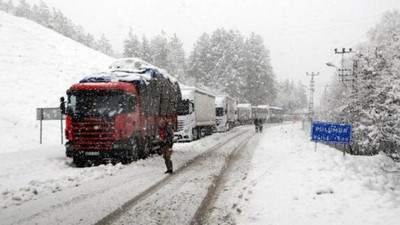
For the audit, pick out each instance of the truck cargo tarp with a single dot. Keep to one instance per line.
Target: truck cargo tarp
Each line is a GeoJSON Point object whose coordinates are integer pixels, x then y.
{"type": "Point", "coordinates": [159, 93]}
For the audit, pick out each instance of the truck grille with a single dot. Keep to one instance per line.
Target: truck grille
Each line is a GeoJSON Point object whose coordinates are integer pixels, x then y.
{"type": "Point", "coordinates": [181, 123]}
{"type": "Point", "coordinates": [93, 134]}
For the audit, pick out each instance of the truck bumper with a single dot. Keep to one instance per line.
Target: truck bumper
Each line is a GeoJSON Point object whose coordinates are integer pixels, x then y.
{"type": "Point", "coordinates": [182, 136]}
{"type": "Point", "coordinates": [94, 154]}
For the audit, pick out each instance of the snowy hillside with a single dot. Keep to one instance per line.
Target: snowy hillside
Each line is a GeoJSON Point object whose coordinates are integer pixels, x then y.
{"type": "Point", "coordinates": [37, 65]}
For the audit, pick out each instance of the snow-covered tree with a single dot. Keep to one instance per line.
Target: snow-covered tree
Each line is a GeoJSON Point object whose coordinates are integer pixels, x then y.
{"type": "Point", "coordinates": [44, 15]}
{"type": "Point", "coordinates": [131, 45]}
{"type": "Point", "coordinates": [200, 65]}
{"type": "Point", "coordinates": [291, 96]}
{"type": "Point", "coordinates": [373, 106]}
{"type": "Point", "coordinates": [176, 58]}
{"type": "Point", "coordinates": [7, 6]}
{"type": "Point", "coordinates": [23, 10]}
{"type": "Point", "coordinates": [229, 63]}
{"type": "Point", "coordinates": [104, 46]}
{"type": "Point", "coordinates": [260, 87]}
{"type": "Point", "coordinates": [145, 52]}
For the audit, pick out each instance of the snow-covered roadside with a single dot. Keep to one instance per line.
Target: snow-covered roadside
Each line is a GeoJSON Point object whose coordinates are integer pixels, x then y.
{"type": "Point", "coordinates": [289, 183]}
{"type": "Point", "coordinates": [37, 66]}
{"type": "Point", "coordinates": [35, 173]}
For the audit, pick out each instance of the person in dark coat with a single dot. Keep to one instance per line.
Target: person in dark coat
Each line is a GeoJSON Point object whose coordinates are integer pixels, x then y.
{"type": "Point", "coordinates": [260, 125]}
{"type": "Point", "coordinates": [167, 136]}
{"type": "Point", "coordinates": [256, 124]}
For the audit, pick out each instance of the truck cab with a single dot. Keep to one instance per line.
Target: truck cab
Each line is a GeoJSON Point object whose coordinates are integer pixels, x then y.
{"type": "Point", "coordinates": [196, 114]}
{"type": "Point", "coordinates": [186, 121]}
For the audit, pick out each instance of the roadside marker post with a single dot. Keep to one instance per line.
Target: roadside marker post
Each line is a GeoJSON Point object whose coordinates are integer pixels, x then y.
{"type": "Point", "coordinates": [49, 114]}
{"type": "Point", "coordinates": [331, 133]}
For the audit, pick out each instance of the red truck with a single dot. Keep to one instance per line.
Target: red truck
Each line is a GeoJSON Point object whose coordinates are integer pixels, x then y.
{"type": "Point", "coordinates": [114, 116]}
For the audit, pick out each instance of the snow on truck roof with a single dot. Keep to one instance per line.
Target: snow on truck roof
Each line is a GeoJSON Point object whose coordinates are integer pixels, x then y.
{"type": "Point", "coordinates": [186, 90]}
{"type": "Point", "coordinates": [244, 105]}
{"type": "Point", "coordinates": [130, 70]}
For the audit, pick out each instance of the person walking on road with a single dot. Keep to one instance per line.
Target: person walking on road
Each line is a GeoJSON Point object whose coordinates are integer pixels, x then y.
{"type": "Point", "coordinates": [260, 125]}
{"type": "Point", "coordinates": [166, 136]}
{"type": "Point", "coordinates": [256, 124]}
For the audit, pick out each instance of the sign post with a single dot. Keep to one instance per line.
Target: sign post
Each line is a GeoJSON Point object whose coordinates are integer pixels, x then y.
{"type": "Point", "coordinates": [331, 133]}
{"type": "Point", "coordinates": [49, 114]}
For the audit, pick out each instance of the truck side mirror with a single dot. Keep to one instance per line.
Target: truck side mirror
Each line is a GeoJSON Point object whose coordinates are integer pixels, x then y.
{"type": "Point", "coordinates": [131, 103]}
{"type": "Point", "coordinates": [62, 105]}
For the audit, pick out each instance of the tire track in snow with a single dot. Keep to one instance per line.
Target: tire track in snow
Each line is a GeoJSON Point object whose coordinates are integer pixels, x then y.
{"type": "Point", "coordinates": [203, 212]}
{"type": "Point", "coordinates": [124, 208]}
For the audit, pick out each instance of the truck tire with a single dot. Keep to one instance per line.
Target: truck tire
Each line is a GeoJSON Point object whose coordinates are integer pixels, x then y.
{"type": "Point", "coordinates": [79, 161]}
{"type": "Point", "coordinates": [131, 154]}
{"type": "Point", "coordinates": [195, 134]}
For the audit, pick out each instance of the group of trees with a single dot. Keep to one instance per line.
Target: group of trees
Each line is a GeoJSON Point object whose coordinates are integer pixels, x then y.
{"type": "Point", "coordinates": [161, 51]}
{"type": "Point", "coordinates": [224, 61]}
{"type": "Point", "coordinates": [231, 63]}
{"type": "Point", "coordinates": [55, 20]}
{"type": "Point", "coordinates": [291, 96]}
{"type": "Point", "coordinates": [372, 101]}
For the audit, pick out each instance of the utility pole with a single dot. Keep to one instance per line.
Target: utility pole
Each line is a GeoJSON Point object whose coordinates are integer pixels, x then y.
{"type": "Point", "coordinates": [312, 89]}
{"type": "Point", "coordinates": [342, 71]}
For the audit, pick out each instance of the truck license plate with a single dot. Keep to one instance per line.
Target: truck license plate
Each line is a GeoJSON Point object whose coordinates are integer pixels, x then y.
{"type": "Point", "coordinates": [92, 153]}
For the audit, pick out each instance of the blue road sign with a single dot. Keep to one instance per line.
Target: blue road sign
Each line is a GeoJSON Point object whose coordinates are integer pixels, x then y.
{"type": "Point", "coordinates": [331, 132]}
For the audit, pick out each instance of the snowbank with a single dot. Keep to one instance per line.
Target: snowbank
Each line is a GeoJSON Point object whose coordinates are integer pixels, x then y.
{"type": "Point", "coordinates": [37, 66]}
{"type": "Point", "coordinates": [293, 184]}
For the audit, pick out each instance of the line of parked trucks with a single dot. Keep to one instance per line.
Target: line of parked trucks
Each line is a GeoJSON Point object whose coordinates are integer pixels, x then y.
{"type": "Point", "coordinates": [115, 115]}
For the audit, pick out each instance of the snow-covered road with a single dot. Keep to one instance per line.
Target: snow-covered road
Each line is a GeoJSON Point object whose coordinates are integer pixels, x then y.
{"type": "Point", "coordinates": [239, 177]}
{"type": "Point", "coordinates": [48, 189]}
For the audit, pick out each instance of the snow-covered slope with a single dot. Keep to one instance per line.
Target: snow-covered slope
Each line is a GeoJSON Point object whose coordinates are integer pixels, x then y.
{"type": "Point", "coordinates": [37, 65]}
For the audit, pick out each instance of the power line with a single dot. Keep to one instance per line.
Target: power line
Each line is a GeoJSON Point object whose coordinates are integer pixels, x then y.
{"type": "Point", "coordinates": [342, 71]}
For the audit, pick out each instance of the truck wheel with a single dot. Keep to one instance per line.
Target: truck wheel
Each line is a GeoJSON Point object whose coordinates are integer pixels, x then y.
{"type": "Point", "coordinates": [79, 162]}
{"type": "Point", "coordinates": [131, 154]}
{"type": "Point", "coordinates": [195, 134]}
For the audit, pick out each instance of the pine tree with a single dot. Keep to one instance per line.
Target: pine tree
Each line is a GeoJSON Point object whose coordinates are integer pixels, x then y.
{"type": "Point", "coordinates": [7, 6]}
{"type": "Point", "coordinates": [23, 10]}
{"type": "Point", "coordinates": [176, 58]}
{"type": "Point", "coordinates": [200, 65]}
{"type": "Point", "coordinates": [260, 88]}
{"type": "Point", "coordinates": [145, 52]}
{"type": "Point", "coordinates": [89, 40]}
{"type": "Point", "coordinates": [104, 46]}
{"type": "Point", "coordinates": [132, 46]}
{"type": "Point", "coordinates": [159, 50]}
{"type": "Point", "coordinates": [301, 96]}
{"type": "Point", "coordinates": [44, 14]}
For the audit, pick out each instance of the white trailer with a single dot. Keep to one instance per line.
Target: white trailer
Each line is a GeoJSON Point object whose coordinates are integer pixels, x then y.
{"type": "Point", "coordinates": [225, 110]}
{"type": "Point", "coordinates": [260, 112]}
{"type": "Point", "coordinates": [196, 114]}
{"type": "Point", "coordinates": [244, 113]}
{"type": "Point", "coordinates": [275, 114]}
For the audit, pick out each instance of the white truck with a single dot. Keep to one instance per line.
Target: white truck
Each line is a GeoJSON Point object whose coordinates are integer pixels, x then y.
{"type": "Point", "coordinates": [244, 113]}
{"type": "Point", "coordinates": [196, 114]}
{"type": "Point", "coordinates": [260, 112]}
{"type": "Point", "coordinates": [225, 110]}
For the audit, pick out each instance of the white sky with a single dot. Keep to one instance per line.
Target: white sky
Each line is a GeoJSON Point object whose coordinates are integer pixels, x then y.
{"type": "Point", "coordinates": [300, 34]}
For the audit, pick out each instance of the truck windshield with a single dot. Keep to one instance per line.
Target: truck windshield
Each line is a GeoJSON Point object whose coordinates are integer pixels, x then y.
{"type": "Point", "coordinates": [219, 111]}
{"type": "Point", "coordinates": [183, 107]}
{"type": "Point", "coordinates": [100, 103]}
